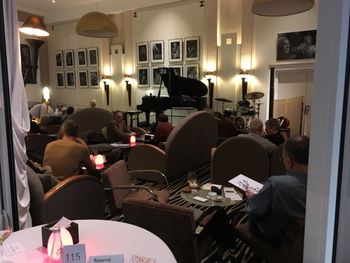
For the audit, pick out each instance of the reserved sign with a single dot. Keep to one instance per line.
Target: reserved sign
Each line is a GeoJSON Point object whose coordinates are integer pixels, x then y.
{"type": "Point", "coordinates": [106, 259]}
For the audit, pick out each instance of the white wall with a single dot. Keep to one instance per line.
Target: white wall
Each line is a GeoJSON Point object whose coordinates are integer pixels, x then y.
{"type": "Point", "coordinates": [265, 43]}
{"type": "Point", "coordinates": [63, 37]}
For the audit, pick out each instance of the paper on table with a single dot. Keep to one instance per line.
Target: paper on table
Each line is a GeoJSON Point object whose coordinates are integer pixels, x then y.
{"type": "Point", "coordinates": [119, 144]}
{"type": "Point", "coordinates": [208, 186]}
{"type": "Point", "coordinates": [246, 183]}
{"type": "Point", "coordinates": [63, 222]}
{"type": "Point", "coordinates": [231, 193]}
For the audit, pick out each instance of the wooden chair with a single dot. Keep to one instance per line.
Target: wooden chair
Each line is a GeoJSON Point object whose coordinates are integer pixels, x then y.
{"type": "Point", "coordinates": [175, 225]}
{"type": "Point", "coordinates": [289, 251]}
{"type": "Point", "coordinates": [187, 148]}
{"type": "Point", "coordinates": [117, 180]}
{"type": "Point", "coordinates": [77, 197]}
{"type": "Point", "coordinates": [236, 156]}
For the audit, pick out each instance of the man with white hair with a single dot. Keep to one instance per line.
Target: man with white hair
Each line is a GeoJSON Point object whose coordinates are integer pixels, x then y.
{"type": "Point", "coordinates": [256, 129]}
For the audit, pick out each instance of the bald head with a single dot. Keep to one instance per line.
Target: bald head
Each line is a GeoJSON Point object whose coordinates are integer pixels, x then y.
{"type": "Point", "coordinates": [256, 126]}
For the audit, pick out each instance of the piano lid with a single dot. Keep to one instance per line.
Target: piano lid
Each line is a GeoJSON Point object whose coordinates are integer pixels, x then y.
{"type": "Point", "coordinates": [178, 86]}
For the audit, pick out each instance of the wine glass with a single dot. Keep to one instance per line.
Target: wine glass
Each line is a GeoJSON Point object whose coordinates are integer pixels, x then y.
{"type": "Point", "coordinates": [192, 180]}
{"type": "Point", "coordinates": [5, 231]}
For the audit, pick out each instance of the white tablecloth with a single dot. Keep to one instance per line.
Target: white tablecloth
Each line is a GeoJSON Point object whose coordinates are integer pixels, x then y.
{"type": "Point", "coordinates": [101, 237]}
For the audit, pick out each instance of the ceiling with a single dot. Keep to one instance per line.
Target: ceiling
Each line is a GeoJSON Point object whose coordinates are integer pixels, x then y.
{"type": "Point", "coordinates": [66, 10]}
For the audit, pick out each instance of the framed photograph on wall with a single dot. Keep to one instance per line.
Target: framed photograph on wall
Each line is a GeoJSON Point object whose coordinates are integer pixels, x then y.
{"type": "Point", "coordinates": [142, 52]}
{"type": "Point", "coordinates": [92, 56]}
{"type": "Point", "coordinates": [157, 51]}
{"type": "Point", "coordinates": [191, 48]}
{"type": "Point", "coordinates": [177, 70]}
{"type": "Point", "coordinates": [60, 79]}
{"type": "Point", "coordinates": [59, 58]}
{"type": "Point", "coordinates": [192, 71]}
{"type": "Point", "coordinates": [296, 45]}
{"type": "Point", "coordinates": [94, 78]}
{"type": "Point", "coordinates": [156, 79]}
{"type": "Point", "coordinates": [70, 79]}
{"type": "Point", "coordinates": [69, 58]}
{"type": "Point", "coordinates": [81, 57]}
{"type": "Point", "coordinates": [83, 79]}
{"type": "Point", "coordinates": [143, 77]}
{"type": "Point", "coordinates": [175, 50]}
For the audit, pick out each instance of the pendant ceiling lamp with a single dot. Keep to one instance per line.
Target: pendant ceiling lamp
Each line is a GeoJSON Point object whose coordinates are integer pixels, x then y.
{"type": "Point", "coordinates": [96, 24]}
{"type": "Point", "coordinates": [34, 26]}
{"type": "Point", "coordinates": [281, 7]}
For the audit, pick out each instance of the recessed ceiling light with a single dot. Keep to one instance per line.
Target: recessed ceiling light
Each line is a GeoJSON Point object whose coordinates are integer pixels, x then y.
{"type": "Point", "coordinates": [53, 1]}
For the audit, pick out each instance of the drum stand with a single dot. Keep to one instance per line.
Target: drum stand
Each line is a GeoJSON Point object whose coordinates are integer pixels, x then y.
{"type": "Point", "coordinates": [257, 108]}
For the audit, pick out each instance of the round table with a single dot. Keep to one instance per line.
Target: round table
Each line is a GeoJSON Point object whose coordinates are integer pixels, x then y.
{"type": "Point", "coordinates": [204, 193]}
{"type": "Point", "coordinates": [101, 237]}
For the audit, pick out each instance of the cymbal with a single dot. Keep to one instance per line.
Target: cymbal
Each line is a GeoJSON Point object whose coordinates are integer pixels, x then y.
{"type": "Point", "coordinates": [254, 95]}
{"type": "Point", "coordinates": [223, 100]}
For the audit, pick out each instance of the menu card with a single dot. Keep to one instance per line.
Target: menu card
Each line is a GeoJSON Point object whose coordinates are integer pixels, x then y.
{"type": "Point", "coordinates": [246, 184]}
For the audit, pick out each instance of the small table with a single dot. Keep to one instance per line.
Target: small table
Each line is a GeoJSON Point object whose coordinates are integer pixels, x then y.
{"type": "Point", "coordinates": [204, 193]}
{"type": "Point", "coordinates": [101, 237]}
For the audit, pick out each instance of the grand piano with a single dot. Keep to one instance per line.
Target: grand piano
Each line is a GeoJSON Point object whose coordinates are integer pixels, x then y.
{"type": "Point", "coordinates": [183, 92]}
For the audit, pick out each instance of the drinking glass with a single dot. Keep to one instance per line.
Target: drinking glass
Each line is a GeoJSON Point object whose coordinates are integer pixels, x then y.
{"type": "Point", "coordinates": [192, 180]}
{"type": "Point", "coordinates": [5, 231]}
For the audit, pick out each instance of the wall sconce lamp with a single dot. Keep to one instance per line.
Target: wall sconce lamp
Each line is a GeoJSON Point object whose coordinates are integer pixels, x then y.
{"type": "Point", "coordinates": [106, 80]}
{"type": "Point", "coordinates": [209, 76]}
{"type": "Point", "coordinates": [244, 74]}
{"type": "Point", "coordinates": [34, 26]}
{"type": "Point", "coordinates": [127, 78]}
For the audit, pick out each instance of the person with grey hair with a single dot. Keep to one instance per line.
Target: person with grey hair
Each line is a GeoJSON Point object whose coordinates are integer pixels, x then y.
{"type": "Point", "coordinates": [256, 129]}
{"type": "Point", "coordinates": [93, 103]}
{"type": "Point", "coordinates": [65, 157]}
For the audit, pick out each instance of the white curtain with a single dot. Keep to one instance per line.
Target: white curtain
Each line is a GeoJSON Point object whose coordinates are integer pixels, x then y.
{"type": "Point", "coordinates": [19, 110]}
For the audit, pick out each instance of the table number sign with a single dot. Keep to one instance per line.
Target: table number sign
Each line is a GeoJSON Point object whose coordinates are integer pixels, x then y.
{"type": "Point", "coordinates": [106, 259]}
{"type": "Point", "coordinates": [73, 254]}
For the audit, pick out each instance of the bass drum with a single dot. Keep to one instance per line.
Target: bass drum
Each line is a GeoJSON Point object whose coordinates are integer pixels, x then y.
{"type": "Point", "coordinates": [240, 124]}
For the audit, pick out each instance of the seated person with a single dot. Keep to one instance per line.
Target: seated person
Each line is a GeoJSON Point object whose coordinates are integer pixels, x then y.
{"type": "Point", "coordinates": [273, 133]}
{"type": "Point", "coordinates": [226, 126]}
{"type": "Point", "coordinates": [93, 103]}
{"type": "Point", "coordinates": [281, 200]}
{"type": "Point", "coordinates": [163, 129]}
{"type": "Point", "coordinates": [70, 110]}
{"type": "Point", "coordinates": [117, 131]}
{"type": "Point", "coordinates": [65, 157]}
{"type": "Point", "coordinates": [256, 128]}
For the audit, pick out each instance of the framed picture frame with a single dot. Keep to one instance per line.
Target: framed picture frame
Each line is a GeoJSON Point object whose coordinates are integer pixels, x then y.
{"type": "Point", "coordinates": [156, 79]}
{"type": "Point", "coordinates": [60, 80]}
{"type": "Point", "coordinates": [175, 50]}
{"type": "Point", "coordinates": [83, 78]}
{"type": "Point", "coordinates": [142, 52]}
{"type": "Point", "coordinates": [296, 45]}
{"type": "Point", "coordinates": [69, 58]}
{"type": "Point", "coordinates": [92, 56]}
{"type": "Point", "coordinates": [192, 71]}
{"type": "Point", "coordinates": [81, 57]}
{"type": "Point", "coordinates": [59, 58]}
{"type": "Point", "coordinates": [94, 78]}
{"type": "Point", "coordinates": [192, 48]}
{"type": "Point", "coordinates": [157, 51]}
{"type": "Point", "coordinates": [177, 70]}
{"type": "Point", "coordinates": [143, 77]}
{"type": "Point", "coordinates": [70, 79]}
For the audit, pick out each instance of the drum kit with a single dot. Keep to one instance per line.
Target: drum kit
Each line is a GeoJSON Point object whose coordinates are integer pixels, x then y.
{"type": "Point", "coordinates": [246, 109]}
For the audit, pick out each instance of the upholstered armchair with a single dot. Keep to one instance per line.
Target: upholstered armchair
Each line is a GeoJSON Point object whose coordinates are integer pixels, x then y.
{"type": "Point", "coordinates": [175, 225]}
{"type": "Point", "coordinates": [236, 156]}
{"type": "Point", "coordinates": [187, 148]}
{"type": "Point", "coordinates": [117, 183]}
{"type": "Point", "coordinates": [36, 144]}
{"type": "Point", "coordinates": [276, 163]}
{"type": "Point", "coordinates": [77, 197]}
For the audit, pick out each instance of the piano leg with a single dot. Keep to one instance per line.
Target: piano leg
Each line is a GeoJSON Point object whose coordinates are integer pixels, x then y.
{"type": "Point", "coordinates": [147, 113]}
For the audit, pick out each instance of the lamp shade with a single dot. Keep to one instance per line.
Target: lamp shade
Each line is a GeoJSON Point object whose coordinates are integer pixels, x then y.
{"type": "Point", "coordinates": [34, 26]}
{"type": "Point", "coordinates": [281, 7]}
{"type": "Point", "coordinates": [96, 24]}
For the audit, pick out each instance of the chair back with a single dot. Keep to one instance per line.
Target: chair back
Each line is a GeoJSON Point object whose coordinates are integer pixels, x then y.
{"type": "Point", "coordinates": [189, 144]}
{"type": "Point", "coordinates": [116, 175]}
{"type": "Point", "coordinates": [37, 143]}
{"type": "Point", "coordinates": [276, 164]}
{"type": "Point", "coordinates": [52, 129]}
{"type": "Point", "coordinates": [239, 155]}
{"type": "Point", "coordinates": [77, 197]}
{"type": "Point", "coordinates": [36, 208]}
{"type": "Point", "coordinates": [173, 224]}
